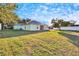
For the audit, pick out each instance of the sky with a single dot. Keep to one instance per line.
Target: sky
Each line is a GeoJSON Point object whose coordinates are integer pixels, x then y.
{"type": "Point", "coordinates": [44, 12]}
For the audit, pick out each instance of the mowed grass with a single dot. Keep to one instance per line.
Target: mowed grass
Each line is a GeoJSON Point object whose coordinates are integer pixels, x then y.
{"type": "Point", "coordinates": [49, 43]}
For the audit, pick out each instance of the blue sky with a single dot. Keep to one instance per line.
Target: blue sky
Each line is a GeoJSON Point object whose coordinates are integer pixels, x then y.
{"type": "Point", "coordinates": [44, 12]}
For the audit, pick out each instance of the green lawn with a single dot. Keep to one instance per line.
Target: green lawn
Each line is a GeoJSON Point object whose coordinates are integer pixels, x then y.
{"type": "Point", "coordinates": [48, 43]}
{"type": "Point", "coordinates": [14, 33]}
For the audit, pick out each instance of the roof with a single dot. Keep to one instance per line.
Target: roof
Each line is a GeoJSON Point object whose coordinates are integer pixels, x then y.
{"type": "Point", "coordinates": [34, 22]}
{"type": "Point", "coordinates": [20, 22]}
{"type": "Point", "coordinates": [31, 22]}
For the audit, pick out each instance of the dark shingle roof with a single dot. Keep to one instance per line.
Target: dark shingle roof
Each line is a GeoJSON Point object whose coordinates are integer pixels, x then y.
{"type": "Point", "coordinates": [34, 22]}
{"type": "Point", "coordinates": [30, 22]}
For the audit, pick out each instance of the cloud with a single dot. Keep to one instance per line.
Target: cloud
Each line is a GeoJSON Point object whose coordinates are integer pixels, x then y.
{"type": "Point", "coordinates": [62, 12]}
{"type": "Point", "coordinates": [74, 16]}
{"type": "Point", "coordinates": [76, 5]}
{"type": "Point", "coordinates": [43, 7]}
{"type": "Point", "coordinates": [45, 12]}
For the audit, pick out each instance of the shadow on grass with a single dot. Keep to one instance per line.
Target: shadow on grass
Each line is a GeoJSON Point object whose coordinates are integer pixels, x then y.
{"type": "Point", "coordinates": [14, 33]}
{"type": "Point", "coordinates": [73, 38]}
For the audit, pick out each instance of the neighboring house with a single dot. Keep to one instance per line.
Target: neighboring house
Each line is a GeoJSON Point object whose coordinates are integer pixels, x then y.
{"type": "Point", "coordinates": [45, 27]}
{"type": "Point", "coordinates": [31, 26]}
{"type": "Point", "coordinates": [74, 28]}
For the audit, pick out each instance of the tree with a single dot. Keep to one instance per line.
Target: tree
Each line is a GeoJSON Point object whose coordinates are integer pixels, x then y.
{"type": "Point", "coordinates": [60, 22]}
{"type": "Point", "coordinates": [54, 23]}
{"type": "Point", "coordinates": [24, 21]}
{"type": "Point", "coordinates": [66, 23]}
{"type": "Point", "coordinates": [7, 16]}
{"type": "Point", "coordinates": [72, 22]}
{"type": "Point", "coordinates": [28, 20]}
{"type": "Point", "coordinates": [57, 22]}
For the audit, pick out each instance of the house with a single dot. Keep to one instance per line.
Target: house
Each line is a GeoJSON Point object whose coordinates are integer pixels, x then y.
{"type": "Point", "coordinates": [73, 28]}
{"type": "Point", "coordinates": [31, 26]}
{"type": "Point", "coordinates": [0, 26]}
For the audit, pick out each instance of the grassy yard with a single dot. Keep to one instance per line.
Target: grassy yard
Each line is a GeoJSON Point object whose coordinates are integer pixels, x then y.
{"type": "Point", "coordinates": [48, 43]}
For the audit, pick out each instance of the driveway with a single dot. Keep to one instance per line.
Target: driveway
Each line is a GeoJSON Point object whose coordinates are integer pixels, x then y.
{"type": "Point", "coordinates": [73, 36]}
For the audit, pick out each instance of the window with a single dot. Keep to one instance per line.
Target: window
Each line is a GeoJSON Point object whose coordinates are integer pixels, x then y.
{"type": "Point", "coordinates": [37, 27]}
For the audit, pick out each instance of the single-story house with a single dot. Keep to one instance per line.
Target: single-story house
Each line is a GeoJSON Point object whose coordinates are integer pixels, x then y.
{"type": "Point", "coordinates": [31, 26]}
{"type": "Point", "coordinates": [73, 28]}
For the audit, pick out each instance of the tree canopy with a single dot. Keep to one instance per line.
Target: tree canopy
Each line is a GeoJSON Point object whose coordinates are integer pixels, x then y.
{"type": "Point", "coordinates": [7, 15]}
{"type": "Point", "coordinates": [60, 22]}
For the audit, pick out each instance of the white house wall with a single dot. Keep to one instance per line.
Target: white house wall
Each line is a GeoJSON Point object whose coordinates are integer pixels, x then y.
{"type": "Point", "coordinates": [19, 27]}
{"type": "Point", "coordinates": [75, 28]}
{"type": "Point", "coordinates": [27, 27]}
{"type": "Point", "coordinates": [31, 27]}
{"type": "Point", "coordinates": [34, 27]}
{"type": "Point", "coordinates": [0, 26]}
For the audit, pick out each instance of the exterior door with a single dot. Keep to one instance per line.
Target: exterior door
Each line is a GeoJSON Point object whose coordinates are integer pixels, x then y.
{"type": "Point", "coordinates": [41, 27]}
